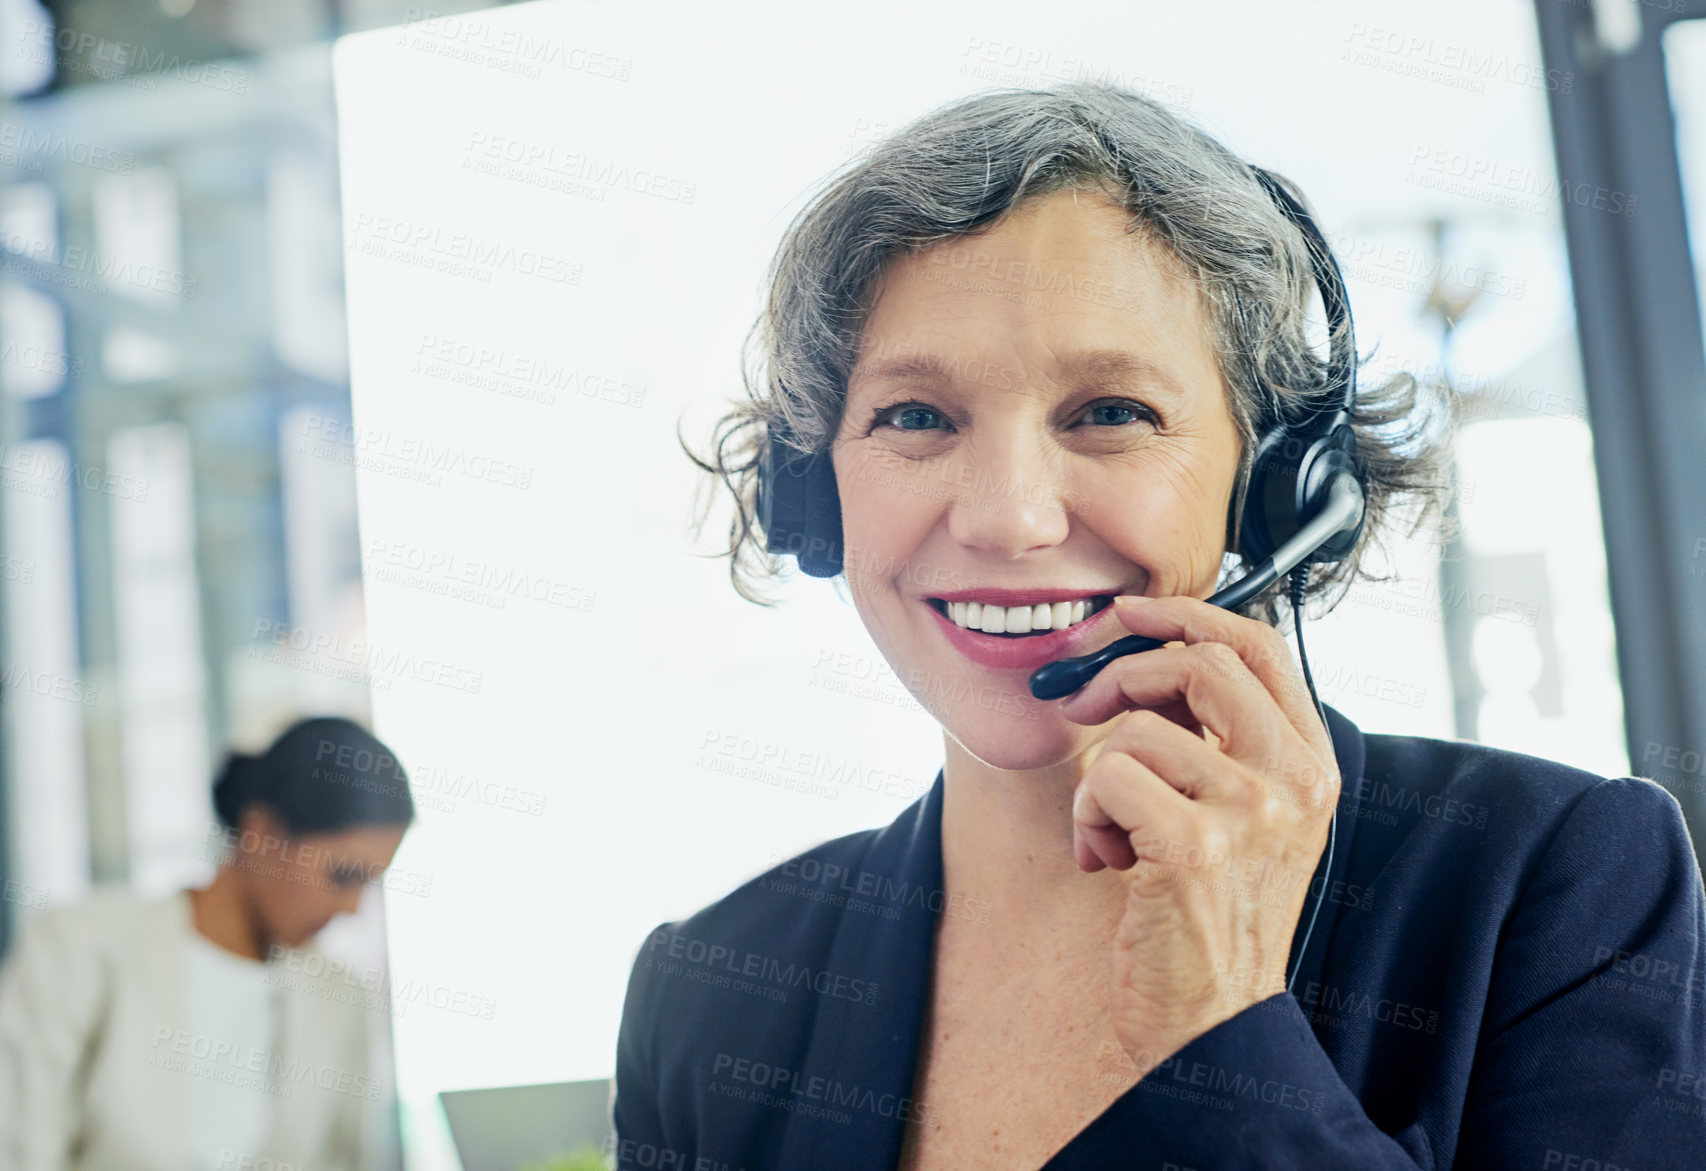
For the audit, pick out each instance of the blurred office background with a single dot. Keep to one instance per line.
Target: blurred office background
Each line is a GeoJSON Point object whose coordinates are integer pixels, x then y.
{"type": "Point", "coordinates": [218, 218]}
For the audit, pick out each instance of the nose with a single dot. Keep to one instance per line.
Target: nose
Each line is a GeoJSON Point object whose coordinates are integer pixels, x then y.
{"type": "Point", "coordinates": [1010, 492]}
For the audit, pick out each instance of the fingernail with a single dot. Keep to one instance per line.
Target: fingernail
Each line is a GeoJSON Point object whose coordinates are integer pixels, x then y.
{"type": "Point", "coordinates": [1131, 599]}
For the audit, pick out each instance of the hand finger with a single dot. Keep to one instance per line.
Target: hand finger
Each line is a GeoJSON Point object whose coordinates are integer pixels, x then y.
{"type": "Point", "coordinates": [1222, 694]}
{"type": "Point", "coordinates": [1262, 648]}
{"type": "Point", "coordinates": [1118, 801]}
{"type": "Point", "coordinates": [1184, 761]}
{"type": "Point", "coordinates": [1176, 709]}
{"type": "Point", "coordinates": [1100, 846]}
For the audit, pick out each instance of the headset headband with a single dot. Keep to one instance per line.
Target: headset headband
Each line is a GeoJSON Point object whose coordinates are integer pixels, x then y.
{"type": "Point", "coordinates": [1341, 330]}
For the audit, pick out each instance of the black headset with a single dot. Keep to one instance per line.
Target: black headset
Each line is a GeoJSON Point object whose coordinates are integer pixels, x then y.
{"type": "Point", "coordinates": [1303, 471]}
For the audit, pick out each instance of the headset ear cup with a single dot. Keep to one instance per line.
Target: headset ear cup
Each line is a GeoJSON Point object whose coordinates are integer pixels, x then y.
{"type": "Point", "coordinates": [763, 499]}
{"type": "Point", "coordinates": [1290, 479]}
{"type": "Point", "coordinates": [822, 555]}
{"type": "Point", "coordinates": [798, 507]}
{"type": "Point", "coordinates": [1270, 509]}
{"type": "Point", "coordinates": [1328, 459]}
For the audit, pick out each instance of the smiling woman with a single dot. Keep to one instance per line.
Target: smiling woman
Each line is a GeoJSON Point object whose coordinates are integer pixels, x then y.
{"type": "Point", "coordinates": [1039, 337]}
{"type": "Point", "coordinates": [1173, 253]}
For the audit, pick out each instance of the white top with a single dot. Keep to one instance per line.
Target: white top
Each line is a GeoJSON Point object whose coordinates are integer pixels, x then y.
{"type": "Point", "coordinates": [228, 1001]}
{"type": "Point", "coordinates": [109, 1013]}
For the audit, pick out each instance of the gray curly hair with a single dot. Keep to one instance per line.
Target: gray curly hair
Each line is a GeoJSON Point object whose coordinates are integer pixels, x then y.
{"type": "Point", "coordinates": [957, 170]}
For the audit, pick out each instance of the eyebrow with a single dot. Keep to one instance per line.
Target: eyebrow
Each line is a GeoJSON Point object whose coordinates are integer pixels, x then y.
{"type": "Point", "coordinates": [1101, 364]}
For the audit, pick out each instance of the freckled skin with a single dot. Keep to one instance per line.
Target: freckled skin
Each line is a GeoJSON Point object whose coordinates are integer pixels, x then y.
{"type": "Point", "coordinates": [1035, 484]}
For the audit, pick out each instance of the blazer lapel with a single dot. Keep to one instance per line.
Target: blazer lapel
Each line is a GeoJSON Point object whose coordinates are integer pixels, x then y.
{"type": "Point", "coordinates": [885, 935]}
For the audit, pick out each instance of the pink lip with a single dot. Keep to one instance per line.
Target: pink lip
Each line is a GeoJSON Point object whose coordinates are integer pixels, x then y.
{"type": "Point", "coordinates": [1021, 654]}
{"type": "Point", "coordinates": [1021, 597]}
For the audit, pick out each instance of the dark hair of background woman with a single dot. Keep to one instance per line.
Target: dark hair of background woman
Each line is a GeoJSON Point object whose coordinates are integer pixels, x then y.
{"type": "Point", "coordinates": [322, 775]}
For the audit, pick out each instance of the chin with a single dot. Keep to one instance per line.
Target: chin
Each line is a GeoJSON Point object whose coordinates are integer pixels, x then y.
{"type": "Point", "coordinates": [1016, 743]}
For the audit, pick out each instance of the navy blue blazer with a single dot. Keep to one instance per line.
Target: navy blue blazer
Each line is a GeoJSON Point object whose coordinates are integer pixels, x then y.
{"type": "Point", "coordinates": [1509, 971]}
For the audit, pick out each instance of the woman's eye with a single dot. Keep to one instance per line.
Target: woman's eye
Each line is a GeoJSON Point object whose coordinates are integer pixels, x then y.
{"type": "Point", "coordinates": [353, 874]}
{"type": "Point", "coordinates": [1115, 414]}
{"type": "Point", "coordinates": [910, 418]}
{"type": "Point", "coordinates": [915, 417]}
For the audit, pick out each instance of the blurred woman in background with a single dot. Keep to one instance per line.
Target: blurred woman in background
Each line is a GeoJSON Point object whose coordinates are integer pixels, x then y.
{"type": "Point", "coordinates": [189, 1031]}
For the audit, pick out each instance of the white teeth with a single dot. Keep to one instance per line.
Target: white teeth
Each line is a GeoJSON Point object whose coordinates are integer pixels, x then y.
{"type": "Point", "coordinates": [1018, 619]}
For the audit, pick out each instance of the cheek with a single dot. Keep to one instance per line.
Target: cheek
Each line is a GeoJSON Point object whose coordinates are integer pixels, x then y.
{"type": "Point", "coordinates": [886, 509]}
{"type": "Point", "coordinates": [1167, 513]}
{"type": "Point", "coordinates": [871, 487]}
{"type": "Point", "coordinates": [295, 896]}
